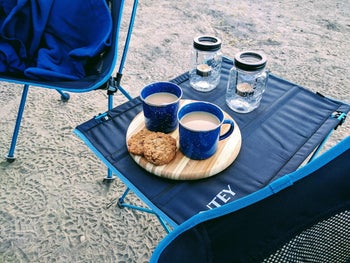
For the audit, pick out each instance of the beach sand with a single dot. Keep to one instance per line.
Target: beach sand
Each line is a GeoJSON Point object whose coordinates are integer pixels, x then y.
{"type": "Point", "coordinates": [52, 199]}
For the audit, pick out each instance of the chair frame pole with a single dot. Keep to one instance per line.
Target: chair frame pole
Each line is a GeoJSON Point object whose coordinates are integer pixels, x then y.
{"type": "Point", "coordinates": [123, 58]}
{"type": "Point", "coordinates": [64, 96]}
{"type": "Point", "coordinates": [110, 176]}
{"type": "Point", "coordinates": [126, 48]}
{"type": "Point", "coordinates": [128, 37]}
{"type": "Point", "coordinates": [10, 157]}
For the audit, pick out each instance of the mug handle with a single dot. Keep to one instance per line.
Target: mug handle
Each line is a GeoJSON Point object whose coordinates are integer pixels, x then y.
{"type": "Point", "coordinates": [228, 133]}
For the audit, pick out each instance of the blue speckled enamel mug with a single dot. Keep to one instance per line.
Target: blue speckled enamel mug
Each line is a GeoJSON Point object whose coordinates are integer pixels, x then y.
{"type": "Point", "coordinates": [160, 102]}
{"type": "Point", "coordinates": [199, 129]}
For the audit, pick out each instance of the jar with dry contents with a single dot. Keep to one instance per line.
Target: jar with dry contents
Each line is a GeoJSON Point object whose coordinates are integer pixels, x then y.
{"type": "Point", "coordinates": [206, 63]}
{"type": "Point", "coordinates": [247, 81]}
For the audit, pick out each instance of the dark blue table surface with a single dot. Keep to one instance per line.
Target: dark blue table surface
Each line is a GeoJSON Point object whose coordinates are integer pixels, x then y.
{"type": "Point", "coordinates": [276, 138]}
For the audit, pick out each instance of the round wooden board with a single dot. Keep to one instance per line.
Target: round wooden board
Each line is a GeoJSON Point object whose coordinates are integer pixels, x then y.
{"type": "Point", "coordinates": [183, 168]}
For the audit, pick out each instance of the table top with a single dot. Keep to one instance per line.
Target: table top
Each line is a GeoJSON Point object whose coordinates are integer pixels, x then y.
{"type": "Point", "coordinates": [276, 138]}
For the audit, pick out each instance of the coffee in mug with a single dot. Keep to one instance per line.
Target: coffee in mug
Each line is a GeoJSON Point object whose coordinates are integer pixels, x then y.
{"type": "Point", "coordinates": [161, 98]}
{"type": "Point", "coordinates": [200, 121]}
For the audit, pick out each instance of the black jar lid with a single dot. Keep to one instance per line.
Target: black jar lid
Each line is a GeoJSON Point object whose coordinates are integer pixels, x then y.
{"type": "Point", "coordinates": [250, 60]}
{"type": "Point", "coordinates": [207, 43]}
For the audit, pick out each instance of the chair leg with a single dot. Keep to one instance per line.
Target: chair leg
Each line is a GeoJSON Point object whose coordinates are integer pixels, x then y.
{"type": "Point", "coordinates": [110, 177]}
{"type": "Point", "coordinates": [64, 96]}
{"type": "Point", "coordinates": [110, 101]}
{"type": "Point", "coordinates": [10, 157]}
{"type": "Point", "coordinates": [125, 93]}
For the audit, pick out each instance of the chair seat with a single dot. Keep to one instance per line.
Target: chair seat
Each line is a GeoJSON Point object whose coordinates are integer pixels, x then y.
{"type": "Point", "coordinates": [65, 52]}
{"type": "Point", "coordinates": [88, 83]}
{"type": "Point", "coordinates": [52, 41]}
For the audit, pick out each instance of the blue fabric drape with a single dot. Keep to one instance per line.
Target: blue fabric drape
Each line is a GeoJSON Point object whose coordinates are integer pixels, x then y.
{"type": "Point", "coordinates": [52, 40]}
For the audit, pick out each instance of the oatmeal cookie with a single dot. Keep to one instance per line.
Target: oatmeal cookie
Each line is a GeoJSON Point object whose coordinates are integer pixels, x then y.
{"type": "Point", "coordinates": [135, 142]}
{"type": "Point", "coordinates": [159, 148]}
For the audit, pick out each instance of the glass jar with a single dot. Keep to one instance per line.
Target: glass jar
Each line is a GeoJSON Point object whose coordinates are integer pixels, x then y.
{"type": "Point", "coordinates": [247, 81]}
{"type": "Point", "coordinates": [206, 63]}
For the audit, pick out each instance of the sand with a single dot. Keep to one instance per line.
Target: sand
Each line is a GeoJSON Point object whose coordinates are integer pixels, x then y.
{"type": "Point", "coordinates": [52, 199]}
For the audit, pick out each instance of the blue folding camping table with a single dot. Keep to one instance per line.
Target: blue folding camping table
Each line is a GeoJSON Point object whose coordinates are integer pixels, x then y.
{"type": "Point", "coordinates": [288, 127]}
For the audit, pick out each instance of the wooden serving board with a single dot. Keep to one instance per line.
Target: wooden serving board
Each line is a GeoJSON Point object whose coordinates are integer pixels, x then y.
{"type": "Point", "coordinates": [183, 168]}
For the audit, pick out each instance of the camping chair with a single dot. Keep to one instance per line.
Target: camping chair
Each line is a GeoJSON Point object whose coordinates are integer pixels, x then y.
{"type": "Point", "coordinates": [98, 74]}
{"type": "Point", "coordinates": [303, 216]}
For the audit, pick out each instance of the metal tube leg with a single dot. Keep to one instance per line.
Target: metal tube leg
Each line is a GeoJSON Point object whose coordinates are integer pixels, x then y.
{"type": "Point", "coordinates": [121, 199]}
{"type": "Point", "coordinates": [10, 157]}
{"type": "Point", "coordinates": [122, 204]}
{"type": "Point", "coordinates": [110, 177]}
{"type": "Point", "coordinates": [110, 101]}
{"type": "Point", "coordinates": [64, 96]}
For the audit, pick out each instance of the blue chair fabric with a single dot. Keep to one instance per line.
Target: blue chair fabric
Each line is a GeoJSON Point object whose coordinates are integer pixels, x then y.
{"type": "Point", "coordinates": [47, 57]}
{"type": "Point", "coordinates": [49, 44]}
{"type": "Point", "coordinates": [276, 139]}
{"type": "Point", "coordinates": [50, 40]}
{"type": "Point", "coordinates": [303, 216]}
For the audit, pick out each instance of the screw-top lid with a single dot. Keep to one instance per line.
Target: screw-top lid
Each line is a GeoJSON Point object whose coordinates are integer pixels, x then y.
{"type": "Point", "coordinates": [250, 60]}
{"type": "Point", "coordinates": [207, 43]}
